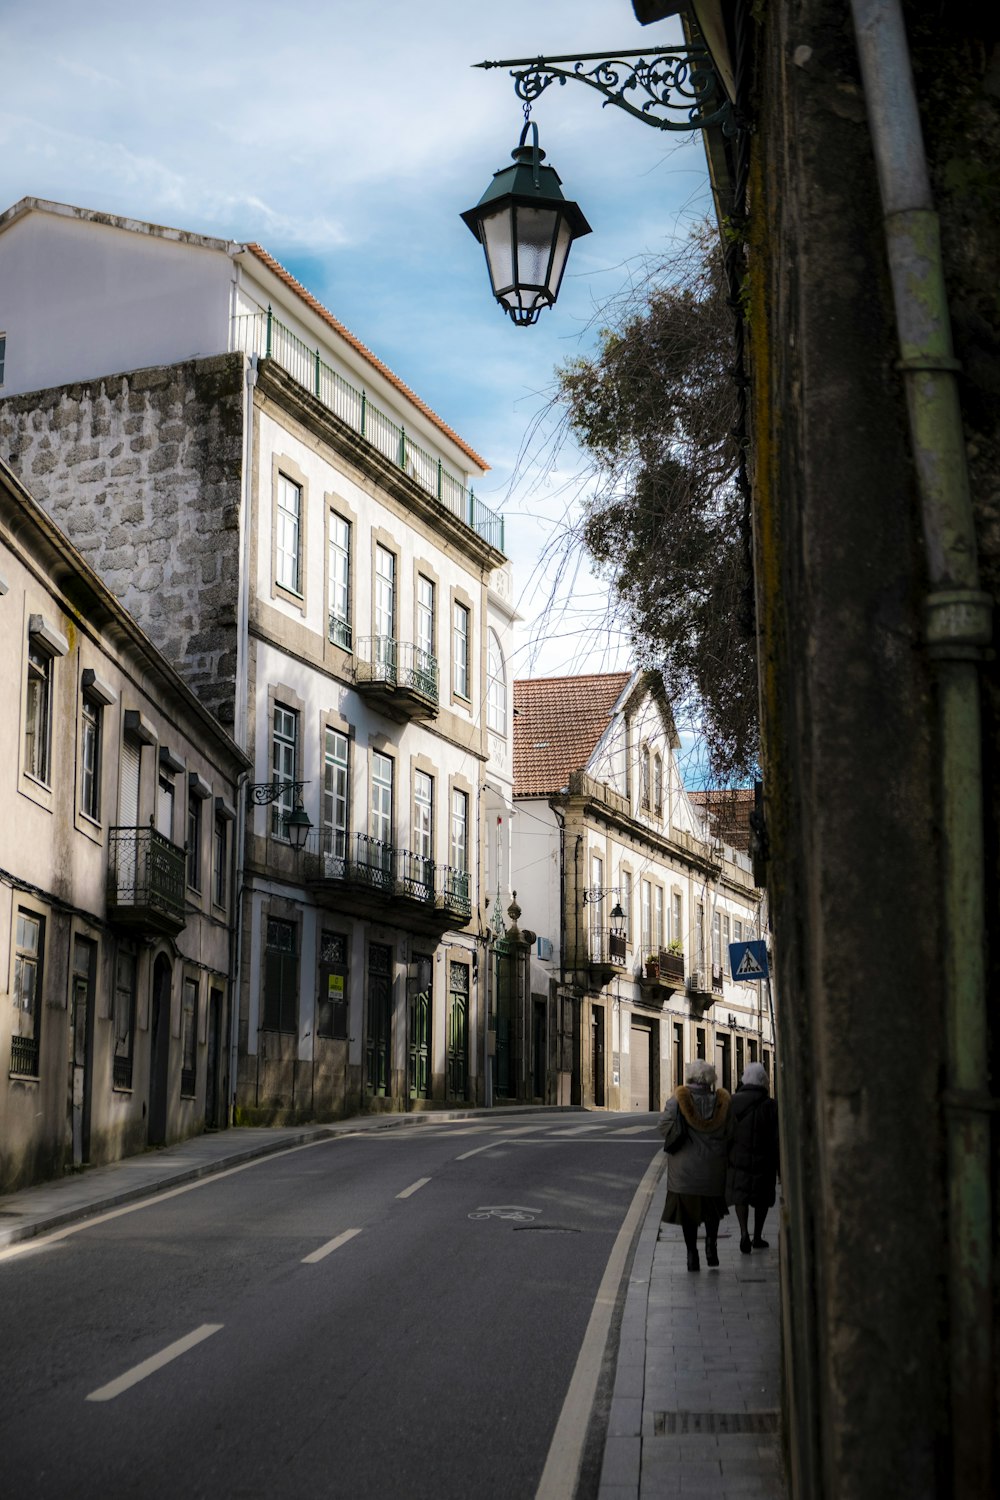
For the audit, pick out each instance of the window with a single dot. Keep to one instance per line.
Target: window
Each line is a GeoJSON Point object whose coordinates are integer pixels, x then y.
{"type": "Point", "coordinates": [335, 802]}
{"type": "Point", "coordinates": [284, 766]}
{"type": "Point", "coordinates": [29, 946]}
{"type": "Point", "coordinates": [220, 860]}
{"type": "Point", "coordinates": [699, 1040]}
{"type": "Point", "coordinates": [124, 1017]}
{"type": "Point", "coordinates": [658, 934]}
{"type": "Point", "coordinates": [194, 842]}
{"type": "Point", "coordinates": [165, 807]}
{"type": "Point", "coordinates": [288, 534]}
{"type": "Point", "coordinates": [381, 808]}
{"type": "Point", "coordinates": [657, 784]}
{"type": "Point", "coordinates": [3, 354]}
{"type": "Point", "coordinates": [189, 1054]}
{"type": "Point", "coordinates": [676, 917]}
{"type": "Point", "coordinates": [646, 913]}
{"type": "Point", "coordinates": [717, 941]}
{"type": "Point", "coordinates": [460, 650]}
{"type": "Point", "coordinates": [737, 930]}
{"type": "Point", "coordinates": [331, 1018]}
{"type": "Point", "coordinates": [423, 817]}
{"type": "Point", "coordinates": [625, 876]}
{"type": "Point", "coordinates": [725, 942]}
{"type": "Point", "coordinates": [38, 716]}
{"type": "Point", "coordinates": [596, 904]}
{"type": "Point", "coordinates": [91, 724]}
{"type": "Point", "coordinates": [699, 936]}
{"type": "Point", "coordinates": [425, 615]}
{"type": "Point", "coordinates": [385, 593]}
{"type": "Point", "coordinates": [496, 685]}
{"type": "Point", "coordinates": [281, 976]}
{"type": "Point", "coordinates": [459, 849]}
{"type": "Point", "coordinates": [339, 565]}
{"type": "Point", "coordinates": [644, 776]}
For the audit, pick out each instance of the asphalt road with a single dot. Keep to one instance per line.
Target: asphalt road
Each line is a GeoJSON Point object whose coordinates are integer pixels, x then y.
{"type": "Point", "coordinates": [393, 1314]}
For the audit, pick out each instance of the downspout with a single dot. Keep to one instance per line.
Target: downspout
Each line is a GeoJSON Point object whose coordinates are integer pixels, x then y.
{"type": "Point", "coordinates": [957, 631]}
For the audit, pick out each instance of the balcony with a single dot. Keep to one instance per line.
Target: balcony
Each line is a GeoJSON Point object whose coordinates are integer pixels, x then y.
{"type": "Point", "coordinates": [605, 955]}
{"type": "Point", "coordinates": [396, 677]}
{"type": "Point", "coordinates": [661, 971]}
{"type": "Point", "coordinates": [145, 881]}
{"type": "Point", "coordinates": [365, 877]}
{"type": "Point", "coordinates": [701, 990]}
{"type": "Point", "coordinates": [263, 334]}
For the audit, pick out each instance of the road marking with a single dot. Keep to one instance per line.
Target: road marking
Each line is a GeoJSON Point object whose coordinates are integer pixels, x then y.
{"type": "Point", "coordinates": [414, 1187]}
{"type": "Point", "coordinates": [520, 1130]}
{"type": "Point", "coordinates": [632, 1130]}
{"type": "Point", "coordinates": [581, 1130]}
{"type": "Point", "coordinates": [155, 1362]}
{"type": "Point", "coordinates": [329, 1247]}
{"type": "Point", "coordinates": [488, 1147]}
{"type": "Point", "coordinates": [562, 1467]}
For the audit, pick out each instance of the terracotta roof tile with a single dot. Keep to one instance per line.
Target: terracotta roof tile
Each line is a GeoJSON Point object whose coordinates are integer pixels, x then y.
{"type": "Point", "coordinates": [362, 349]}
{"type": "Point", "coordinates": [558, 721]}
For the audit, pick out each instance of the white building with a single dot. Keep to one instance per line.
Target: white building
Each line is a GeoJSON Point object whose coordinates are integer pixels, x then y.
{"type": "Point", "coordinates": [632, 900]}
{"type": "Point", "coordinates": [300, 533]}
{"type": "Point", "coordinates": [116, 872]}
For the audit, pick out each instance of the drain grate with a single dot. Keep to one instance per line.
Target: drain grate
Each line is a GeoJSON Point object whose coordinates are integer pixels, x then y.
{"type": "Point", "coordinates": [667, 1423]}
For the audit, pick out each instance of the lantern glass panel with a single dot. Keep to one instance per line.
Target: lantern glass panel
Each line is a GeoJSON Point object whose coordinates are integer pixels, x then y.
{"type": "Point", "coordinates": [496, 234]}
{"type": "Point", "coordinates": [535, 229]}
{"type": "Point", "coordinates": [563, 241]}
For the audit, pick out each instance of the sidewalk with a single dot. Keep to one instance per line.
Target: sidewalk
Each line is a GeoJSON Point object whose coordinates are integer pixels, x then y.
{"type": "Point", "coordinates": [697, 1387]}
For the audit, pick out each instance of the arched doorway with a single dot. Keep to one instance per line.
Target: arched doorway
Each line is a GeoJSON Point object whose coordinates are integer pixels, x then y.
{"type": "Point", "coordinates": [159, 1051]}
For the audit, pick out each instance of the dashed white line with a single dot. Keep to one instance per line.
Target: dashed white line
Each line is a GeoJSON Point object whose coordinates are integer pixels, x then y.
{"type": "Point", "coordinates": [577, 1130]}
{"type": "Point", "coordinates": [632, 1130]}
{"type": "Point", "coordinates": [155, 1362]}
{"type": "Point", "coordinates": [329, 1247]}
{"type": "Point", "coordinates": [476, 1150]}
{"type": "Point", "coordinates": [413, 1187]}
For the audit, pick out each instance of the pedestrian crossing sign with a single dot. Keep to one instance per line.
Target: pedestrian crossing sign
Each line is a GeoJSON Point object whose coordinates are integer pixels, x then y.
{"type": "Point", "coordinates": [748, 961]}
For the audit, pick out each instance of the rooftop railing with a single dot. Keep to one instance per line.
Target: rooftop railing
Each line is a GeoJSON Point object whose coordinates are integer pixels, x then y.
{"type": "Point", "coordinates": [262, 333]}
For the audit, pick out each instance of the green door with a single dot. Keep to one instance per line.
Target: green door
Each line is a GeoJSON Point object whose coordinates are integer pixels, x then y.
{"type": "Point", "coordinates": [379, 1028]}
{"type": "Point", "coordinates": [503, 988]}
{"type": "Point", "coordinates": [420, 1031]}
{"type": "Point", "coordinates": [458, 1031]}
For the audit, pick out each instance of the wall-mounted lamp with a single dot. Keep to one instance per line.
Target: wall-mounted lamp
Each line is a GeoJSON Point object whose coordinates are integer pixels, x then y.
{"type": "Point", "coordinates": [297, 823]}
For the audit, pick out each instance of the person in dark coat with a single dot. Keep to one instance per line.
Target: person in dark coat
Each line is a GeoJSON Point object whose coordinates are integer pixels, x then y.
{"type": "Point", "coordinates": [698, 1123]}
{"type": "Point", "coordinates": [753, 1156]}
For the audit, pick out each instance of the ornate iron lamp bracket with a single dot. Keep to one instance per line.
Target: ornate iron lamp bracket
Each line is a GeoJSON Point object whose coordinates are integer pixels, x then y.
{"type": "Point", "coordinates": [682, 81]}
{"type": "Point", "coordinates": [263, 792]}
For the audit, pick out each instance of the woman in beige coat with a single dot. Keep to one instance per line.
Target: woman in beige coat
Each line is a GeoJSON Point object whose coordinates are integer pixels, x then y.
{"type": "Point", "coordinates": [697, 1123]}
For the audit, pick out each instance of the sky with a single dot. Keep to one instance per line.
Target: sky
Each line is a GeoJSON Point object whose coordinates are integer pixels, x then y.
{"type": "Point", "coordinates": [347, 138]}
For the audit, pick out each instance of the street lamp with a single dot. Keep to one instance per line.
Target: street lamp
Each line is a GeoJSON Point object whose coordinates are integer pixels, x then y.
{"type": "Point", "coordinates": [297, 826]}
{"type": "Point", "coordinates": [526, 227]}
{"type": "Point", "coordinates": [297, 823]}
{"type": "Point", "coordinates": [617, 920]}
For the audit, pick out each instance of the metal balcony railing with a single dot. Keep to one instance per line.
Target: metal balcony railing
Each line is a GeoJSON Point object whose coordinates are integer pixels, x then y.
{"type": "Point", "coordinates": [453, 891]}
{"type": "Point", "coordinates": [414, 876]}
{"type": "Point", "coordinates": [606, 948]}
{"type": "Point", "coordinates": [145, 875]}
{"type": "Point", "coordinates": [341, 633]}
{"type": "Point", "coordinates": [376, 866]}
{"type": "Point", "coordinates": [261, 333]}
{"type": "Point", "coordinates": [24, 1056]}
{"type": "Point", "coordinates": [121, 1073]}
{"type": "Point", "coordinates": [662, 964]}
{"type": "Point", "coordinates": [398, 664]}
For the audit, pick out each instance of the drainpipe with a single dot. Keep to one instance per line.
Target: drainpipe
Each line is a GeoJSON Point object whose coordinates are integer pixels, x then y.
{"type": "Point", "coordinates": [957, 632]}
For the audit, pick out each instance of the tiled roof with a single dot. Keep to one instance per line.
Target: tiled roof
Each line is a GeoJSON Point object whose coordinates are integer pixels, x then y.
{"type": "Point", "coordinates": [558, 721]}
{"type": "Point", "coordinates": [729, 812]}
{"type": "Point", "coordinates": [345, 333]}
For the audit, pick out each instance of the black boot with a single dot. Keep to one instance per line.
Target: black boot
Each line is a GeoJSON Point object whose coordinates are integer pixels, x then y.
{"type": "Point", "coordinates": [711, 1251]}
{"type": "Point", "coordinates": [694, 1264]}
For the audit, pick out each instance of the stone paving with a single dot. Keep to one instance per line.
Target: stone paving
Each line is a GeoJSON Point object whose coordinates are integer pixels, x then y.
{"type": "Point", "coordinates": [695, 1410]}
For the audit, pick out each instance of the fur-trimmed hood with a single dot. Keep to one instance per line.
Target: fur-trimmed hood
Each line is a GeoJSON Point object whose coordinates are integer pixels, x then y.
{"type": "Point", "coordinates": [692, 1106]}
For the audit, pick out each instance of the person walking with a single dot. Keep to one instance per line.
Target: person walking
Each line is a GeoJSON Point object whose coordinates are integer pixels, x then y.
{"type": "Point", "coordinates": [696, 1126]}
{"type": "Point", "coordinates": [753, 1156]}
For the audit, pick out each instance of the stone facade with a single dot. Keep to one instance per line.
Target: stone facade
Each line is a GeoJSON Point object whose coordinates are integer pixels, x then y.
{"type": "Point", "coordinates": [143, 471]}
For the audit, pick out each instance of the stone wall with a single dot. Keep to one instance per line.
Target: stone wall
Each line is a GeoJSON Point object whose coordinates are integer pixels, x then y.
{"type": "Point", "coordinates": [143, 472]}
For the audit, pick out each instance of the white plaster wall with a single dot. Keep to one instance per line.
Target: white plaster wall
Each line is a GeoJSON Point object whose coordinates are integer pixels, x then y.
{"type": "Point", "coordinates": [79, 299]}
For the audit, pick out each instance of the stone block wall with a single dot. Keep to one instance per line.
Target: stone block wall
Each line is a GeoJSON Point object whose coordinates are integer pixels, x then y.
{"type": "Point", "coordinates": [143, 471]}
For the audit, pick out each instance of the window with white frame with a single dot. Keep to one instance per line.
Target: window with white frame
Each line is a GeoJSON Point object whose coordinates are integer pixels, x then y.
{"type": "Point", "coordinates": [596, 904]}
{"type": "Point", "coordinates": [425, 615]}
{"type": "Point", "coordinates": [658, 933]}
{"type": "Point", "coordinates": [459, 843]}
{"type": "Point", "coordinates": [194, 842]}
{"type": "Point", "coordinates": [220, 859]}
{"type": "Point", "coordinates": [385, 593]}
{"type": "Point", "coordinates": [725, 942]}
{"type": "Point", "coordinates": [625, 877]}
{"type": "Point", "coordinates": [644, 776]}
{"type": "Point", "coordinates": [646, 913]}
{"type": "Point", "coordinates": [284, 766]}
{"type": "Point", "coordinates": [288, 534]}
{"type": "Point", "coordinates": [38, 715]}
{"type": "Point", "coordinates": [657, 784]}
{"type": "Point", "coordinates": [336, 784]}
{"type": "Point", "coordinates": [677, 917]}
{"type": "Point", "coordinates": [460, 650]}
{"type": "Point", "coordinates": [339, 579]}
{"type": "Point", "coordinates": [699, 935]}
{"type": "Point", "coordinates": [717, 940]}
{"type": "Point", "coordinates": [91, 734]}
{"type": "Point", "coordinates": [496, 685]}
{"type": "Point", "coordinates": [423, 822]}
{"type": "Point", "coordinates": [381, 804]}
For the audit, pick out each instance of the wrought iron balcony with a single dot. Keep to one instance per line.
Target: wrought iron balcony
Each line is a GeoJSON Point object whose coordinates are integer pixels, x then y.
{"type": "Point", "coordinates": [145, 880]}
{"type": "Point", "coordinates": [367, 877]}
{"type": "Point", "coordinates": [398, 677]}
{"type": "Point", "coordinates": [605, 953]}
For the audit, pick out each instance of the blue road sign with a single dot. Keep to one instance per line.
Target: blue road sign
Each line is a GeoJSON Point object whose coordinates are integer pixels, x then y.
{"type": "Point", "coordinates": [748, 961]}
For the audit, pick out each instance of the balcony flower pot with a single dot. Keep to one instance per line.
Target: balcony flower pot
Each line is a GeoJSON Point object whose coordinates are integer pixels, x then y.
{"type": "Point", "coordinates": [652, 968]}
